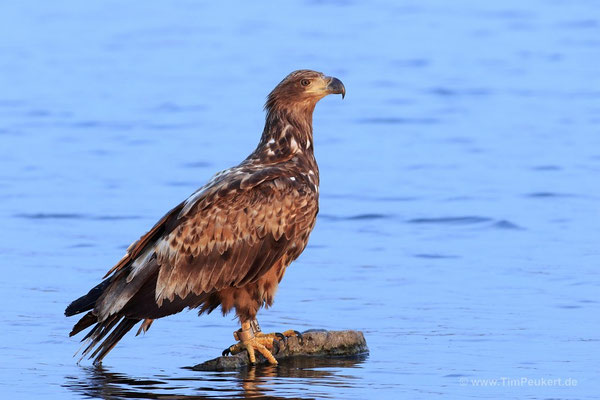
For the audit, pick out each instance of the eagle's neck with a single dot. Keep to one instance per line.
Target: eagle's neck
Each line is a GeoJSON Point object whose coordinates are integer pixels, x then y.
{"type": "Point", "coordinates": [287, 134]}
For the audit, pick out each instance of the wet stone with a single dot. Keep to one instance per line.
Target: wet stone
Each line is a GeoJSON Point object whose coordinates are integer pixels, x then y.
{"type": "Point", "coordinates": [315, 343]}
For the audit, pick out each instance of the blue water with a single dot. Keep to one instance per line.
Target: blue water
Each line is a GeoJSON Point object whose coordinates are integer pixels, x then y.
{"type": "Point", "coordinates": [460, 189]}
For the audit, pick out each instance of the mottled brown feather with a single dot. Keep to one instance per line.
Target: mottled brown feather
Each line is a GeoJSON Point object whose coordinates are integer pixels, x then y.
{"type": "Point", "coordinates": [235, 247]}
{"type": "Point", "coordinates": [139, 245]}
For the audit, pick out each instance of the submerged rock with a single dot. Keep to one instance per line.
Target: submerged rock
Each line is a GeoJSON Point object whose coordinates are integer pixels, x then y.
{"type": "Point", "coordinates": [316, 343]}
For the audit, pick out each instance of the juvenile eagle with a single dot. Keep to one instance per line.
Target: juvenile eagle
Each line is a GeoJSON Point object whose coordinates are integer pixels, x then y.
{"type": "Point", "coordinates": [230, 242]}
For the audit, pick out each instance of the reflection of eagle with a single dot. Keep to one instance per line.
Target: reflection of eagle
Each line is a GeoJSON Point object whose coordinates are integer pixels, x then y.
{"type": "Point", "coordinates": [230, 242]}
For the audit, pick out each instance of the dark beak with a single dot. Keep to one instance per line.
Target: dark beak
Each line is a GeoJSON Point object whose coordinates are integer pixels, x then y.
{"type": "Point", "coordinates": [335, 86]}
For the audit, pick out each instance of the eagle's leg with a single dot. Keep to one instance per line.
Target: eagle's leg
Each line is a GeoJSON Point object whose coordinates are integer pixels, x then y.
{"type": "Point", "coordinates": [249, 341]}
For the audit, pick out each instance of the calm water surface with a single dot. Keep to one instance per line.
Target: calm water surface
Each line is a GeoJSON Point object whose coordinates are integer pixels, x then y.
{"type": "Point", "coordinates": [459, 218]}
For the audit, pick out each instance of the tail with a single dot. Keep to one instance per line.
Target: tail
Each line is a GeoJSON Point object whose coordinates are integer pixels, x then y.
{"type": "Point", "coordinates": [100, 331]}
{"type": "Point", "coordinates": [87, 302]}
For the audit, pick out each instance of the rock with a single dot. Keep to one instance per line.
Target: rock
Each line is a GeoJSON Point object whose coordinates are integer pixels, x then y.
{"type": "Point", "coordinates": [315, 343]}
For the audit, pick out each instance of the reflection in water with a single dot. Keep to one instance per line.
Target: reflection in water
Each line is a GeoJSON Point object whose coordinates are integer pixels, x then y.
{"type": "Point", "coordinates": [274, 382]}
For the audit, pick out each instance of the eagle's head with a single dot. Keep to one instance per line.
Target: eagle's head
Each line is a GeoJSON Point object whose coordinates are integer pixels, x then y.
{"type": "Point", "coordinates": [302, 89]}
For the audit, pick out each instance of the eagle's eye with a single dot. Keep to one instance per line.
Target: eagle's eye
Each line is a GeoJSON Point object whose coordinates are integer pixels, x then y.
{"type": "Point", "coordinates": [305, 82]}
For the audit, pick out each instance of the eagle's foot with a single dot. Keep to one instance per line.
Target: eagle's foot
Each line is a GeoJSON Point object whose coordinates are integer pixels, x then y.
{"type": "Point", "coordinates": [282, 336]}
{"type": "Point", "coordinates": [264, 345]}
{"type": "Point", "coordinates": [251, 339]}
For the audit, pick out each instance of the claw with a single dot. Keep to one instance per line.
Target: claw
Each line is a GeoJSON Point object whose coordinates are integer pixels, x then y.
{"type": "Point", "coordinates": [226, 352]}
{"type": "Point", "coordinates": [299, 336]}
{"type": "Point", "coordinates": [276, 346]}
{"type": "Point", "coordinates": [281, 336]}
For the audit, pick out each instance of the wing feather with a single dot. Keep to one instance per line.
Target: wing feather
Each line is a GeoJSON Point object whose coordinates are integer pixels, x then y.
{"type": "Point", "coordinates": [225, 235]}
{"type": "Point", "coordinates": [235, 239]}
{"type": "Point", "coordinates": [134, 250]}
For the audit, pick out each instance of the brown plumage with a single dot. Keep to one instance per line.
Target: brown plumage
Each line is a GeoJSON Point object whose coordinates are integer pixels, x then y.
{"type": "Point", "coordinates": [230, 242]}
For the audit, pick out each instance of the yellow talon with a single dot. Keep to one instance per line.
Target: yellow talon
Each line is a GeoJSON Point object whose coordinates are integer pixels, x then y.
{"type": "Point", "coordinates": [250, 339]}
{"type": "Point", "coordinates": [249, 342]}
{"type": "Point", "coordinates": [250, 350]}
{"type": "Point", "coordinates": [262, 344]}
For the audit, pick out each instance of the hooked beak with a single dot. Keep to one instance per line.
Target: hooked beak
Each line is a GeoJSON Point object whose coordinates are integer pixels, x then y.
{"type": "Point", "coordinates": [335, 86]}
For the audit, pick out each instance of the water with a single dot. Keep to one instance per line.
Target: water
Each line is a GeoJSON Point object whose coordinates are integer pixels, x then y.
{"type": "Point", "coordinates": [459, 189]}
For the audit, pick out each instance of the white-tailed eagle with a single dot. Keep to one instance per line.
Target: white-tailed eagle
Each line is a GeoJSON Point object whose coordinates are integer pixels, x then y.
{"type": "Point", "coordinates": [230, 242]}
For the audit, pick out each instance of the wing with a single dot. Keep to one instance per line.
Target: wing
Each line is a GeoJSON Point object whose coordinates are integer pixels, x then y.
{"type": "Point", "coordinates": [234, 237]}
{"type": "Point", "coordinates": [169, 221]}
{"type": "Point", "coordinates": [164, 225]}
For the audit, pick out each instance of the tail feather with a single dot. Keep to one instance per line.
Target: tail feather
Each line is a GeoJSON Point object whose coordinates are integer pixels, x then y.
{"type": "Point", "coordinates": [88, 301]}
{"type": "Point", "coordinates": [91, 332]}
{"type": "Point", "coordinates": [86, 321]}
{"type": "Point", "coordinates": [97, 341]}
{"type": "Point", "coordinates": [106, 331]}
{"type": "Point", "coordinates": [111, 341]}
{"type": "Point", "coordinates": [145, 326]}
{"type": "Point", "coordinates": [98, 333]}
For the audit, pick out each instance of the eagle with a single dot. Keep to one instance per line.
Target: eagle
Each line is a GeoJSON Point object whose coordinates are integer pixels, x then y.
{"type": "Point", "coordinates": [227, 245]}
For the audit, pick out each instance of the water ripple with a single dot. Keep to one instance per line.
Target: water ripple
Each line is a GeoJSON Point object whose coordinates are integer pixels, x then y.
{"type": "Point", "coordinates": [548, 195]}
{"type": "Point", "coordinates": [504, 224]}
{"type": "Point", "coordinates": [197, 164]}
{"type": "Point", "coordinates": [169, 107]}
{"type": "Point", "coordinates": [453, 92]}
{"type": "Point", "coordinates": [465, 220]}
{"type": "Point", "coordinates": [371, 216]}
{"type": "Point", "coordinates": [435, 256]}
{"type": "Point", "coordinates": [397, 121]}
{"type": "Point", "coordinates": [76, 216]}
